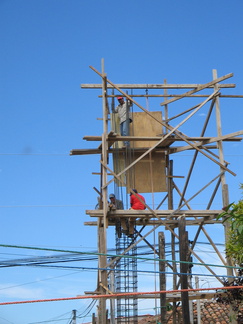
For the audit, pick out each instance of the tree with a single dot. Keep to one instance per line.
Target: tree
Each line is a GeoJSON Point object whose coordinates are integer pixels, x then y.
{"type": "Point", "coordinates": [234, 246]}
{"type": "Point", "coordinates": [234, 250]}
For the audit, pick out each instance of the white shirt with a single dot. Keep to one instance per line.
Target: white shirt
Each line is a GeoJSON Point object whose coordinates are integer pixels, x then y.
{"type": "Point", "coordinates": [122, 111]}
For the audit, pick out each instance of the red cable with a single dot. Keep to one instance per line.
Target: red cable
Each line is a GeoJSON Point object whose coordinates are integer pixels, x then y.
{"type": "Point", "coordinates": [118, 295]}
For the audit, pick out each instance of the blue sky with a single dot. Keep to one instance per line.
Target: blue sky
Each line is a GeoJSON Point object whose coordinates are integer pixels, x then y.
{"type": "Point", "coordinates": [46, 50]}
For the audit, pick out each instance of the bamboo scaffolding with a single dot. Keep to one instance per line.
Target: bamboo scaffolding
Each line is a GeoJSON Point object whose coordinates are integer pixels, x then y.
{"type": "Point", "coordinates": [162, 145]}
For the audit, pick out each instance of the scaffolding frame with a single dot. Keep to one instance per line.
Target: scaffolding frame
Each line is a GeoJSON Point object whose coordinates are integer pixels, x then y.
{"type": "Point", "coordinates": [170, 219]}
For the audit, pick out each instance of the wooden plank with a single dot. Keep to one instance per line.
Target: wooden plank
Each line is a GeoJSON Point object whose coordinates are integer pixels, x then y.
{"type": "Point", "coordinates": [173, 95]}
{"type": "Point", "coordinates": [172, 222]}
{"type": "Point", "coordinates": [149, 174]}
{"type": "Point", "coordinates": [158, 213]}
{"type": "Point", "coordinates": [121, 138]}
{"type": "Point", "coordinates": [156, 138]}
{"type": "Point", "coordinates": [170, 297]}
{"type": "Point", "coordinates": [157, 150]}
{"type": "Point", "coordinates": [145, 126]}
{"type": "Point", "coordinates": [84, 151]}
{"type": "Point", "coordinates": [152, 86]}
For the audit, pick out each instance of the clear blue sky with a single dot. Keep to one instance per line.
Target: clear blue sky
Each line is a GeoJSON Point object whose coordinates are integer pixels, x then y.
{"type": "Point", "coordinates": [46, 49]}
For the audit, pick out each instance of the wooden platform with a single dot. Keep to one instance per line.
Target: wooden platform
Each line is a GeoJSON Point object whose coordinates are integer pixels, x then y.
{"type": "Point", "coordinates": [160, 213]}
{"type": "Point", "coordinates": [146, 217]}
{"type": "Point", "coordinates": [162, 147]}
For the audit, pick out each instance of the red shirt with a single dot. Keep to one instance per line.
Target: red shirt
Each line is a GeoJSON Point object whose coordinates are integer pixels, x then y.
{"type": "Point", "coordinates": [137, 204]}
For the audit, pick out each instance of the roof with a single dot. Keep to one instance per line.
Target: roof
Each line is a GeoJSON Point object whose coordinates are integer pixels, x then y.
{"type": "Point", "coordinates": [211, 313]}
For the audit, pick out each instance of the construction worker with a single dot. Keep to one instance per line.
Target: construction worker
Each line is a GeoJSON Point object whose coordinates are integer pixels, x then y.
{"type": "Point", "coordinates": [118, 204]}
{"type": "Point", "coordinates": [115, 203]}
{"type": "Point", "coordinates": [125, 116]}
{"type": "Point", "coordinates": [136, 204]}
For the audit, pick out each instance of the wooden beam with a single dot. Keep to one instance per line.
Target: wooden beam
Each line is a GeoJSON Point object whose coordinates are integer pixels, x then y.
{"type": "Point", "coordinates": [153, 86]}
{"type": "Point", "coordinates": [84, 151]}
{"type": "Point", "coordinates": [170, 297]}
{"type": "Point", "coordinates": [169, 222]}
{"type": "Point", "coordinates": [156, 138]}
{"type": "Point", "coordinates": [157, 150]}
{"type": "Point", "coordinates": [158, 213]}
{"type": "Point", "coordinates": [173, 95]}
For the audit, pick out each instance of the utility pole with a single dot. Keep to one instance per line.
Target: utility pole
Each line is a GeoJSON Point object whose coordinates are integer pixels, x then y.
{"type": "Point", "coordinates": [74, 316]}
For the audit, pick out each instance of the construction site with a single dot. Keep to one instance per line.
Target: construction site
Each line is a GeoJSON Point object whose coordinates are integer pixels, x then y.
{"type": "Point", "coordinates": [163, 125]}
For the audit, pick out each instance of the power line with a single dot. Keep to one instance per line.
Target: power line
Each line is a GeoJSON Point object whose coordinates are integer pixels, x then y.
{"type": "Point", "coordinates": [77, 254]}
{"type": "Point", "coordinates": [39, 280]}
{"type": "Point", "coordinates": [117, 295]}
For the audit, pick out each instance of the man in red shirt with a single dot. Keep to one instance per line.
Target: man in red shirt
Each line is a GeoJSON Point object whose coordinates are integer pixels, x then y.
{"type": "Point", "coordinates": [135, 202]}
{"type": "Point", "coordinates": [138, 204]}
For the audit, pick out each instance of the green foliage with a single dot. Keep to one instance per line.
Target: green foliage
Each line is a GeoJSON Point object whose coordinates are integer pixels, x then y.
{"type": "Point", "coordinates": [234, 250]}
{"type": "Point", "coordinates": [234, 215]}
{"type": "Point", "coordinates": [169, 307]}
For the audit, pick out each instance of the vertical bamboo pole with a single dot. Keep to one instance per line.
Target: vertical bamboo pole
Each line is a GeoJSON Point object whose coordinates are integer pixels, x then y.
{"type": "Point", "coordinates": [225, 193]}
{"type": "Point", "coordinates": [112, 300]}
{"type": "Point", "coordinates": [166, 107]}
{"type": "Point", "coordinates": [183, 236]}
{"type": "Point", "coordinates": [102, 246]}
{"type": "Point", "coordinates": [170, 207]}
{"type": "Point", "coordinates": [162, 278]}
{"type": "Point", "coordinates": [198, 302]}
{"type": "Point", "coordinates": [220, 143]}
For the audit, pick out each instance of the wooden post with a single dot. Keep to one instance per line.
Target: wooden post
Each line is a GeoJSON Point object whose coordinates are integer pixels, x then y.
{"type": "Point", "coordinates": [225, 194]}
{"type": "Point", "coordinates": [198, 302]}
{"type": "Point", "coordinates": [166, 107]}
{"type": "Point", "coordinates": [112, 300]}
{"type": "Point", "coordinates": [93, 318]}
{"type": "Point", "coordinates": [162, 278]}
{"type": "Point", "coordinates": [183, 235]}
{"type": "Point", "coordinates": [102, 246]}
{"type": "Point", "coordinates": [170, 207]}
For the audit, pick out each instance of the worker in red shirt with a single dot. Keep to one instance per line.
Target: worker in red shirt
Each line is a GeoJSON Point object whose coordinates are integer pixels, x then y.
{"type": "Point", "coordinates": [138, 204]}
{"type": "Point", "coordinates": [135, 202]}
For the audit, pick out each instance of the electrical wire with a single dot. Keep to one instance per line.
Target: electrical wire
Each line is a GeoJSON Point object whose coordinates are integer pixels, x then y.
{"type": "Point", "coordinates": [120, 256]}
{"type": "Point", "coordinates": [119, 295]}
